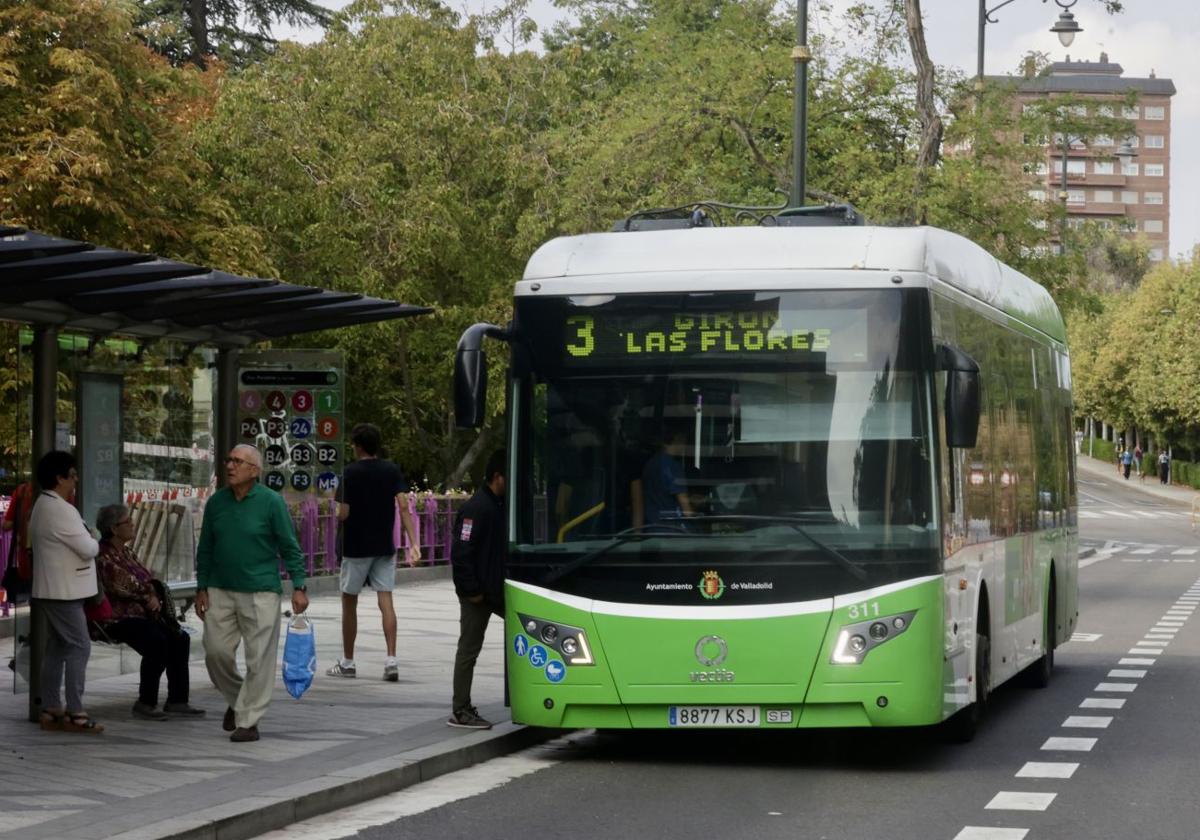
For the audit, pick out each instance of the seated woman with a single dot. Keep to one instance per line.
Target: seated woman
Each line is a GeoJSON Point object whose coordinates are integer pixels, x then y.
{"type": "Point", "coordinates": [139, 620]}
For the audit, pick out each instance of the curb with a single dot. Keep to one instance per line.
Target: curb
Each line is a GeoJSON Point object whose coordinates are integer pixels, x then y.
{"type": "Point", "coordinates": [277, 809]}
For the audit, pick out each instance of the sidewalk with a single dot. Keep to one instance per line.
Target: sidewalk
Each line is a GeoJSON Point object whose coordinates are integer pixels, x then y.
{"type": "Point", "coordinates": [1151, 486]}
{"type": "Point", "coordinates": [345, 741]}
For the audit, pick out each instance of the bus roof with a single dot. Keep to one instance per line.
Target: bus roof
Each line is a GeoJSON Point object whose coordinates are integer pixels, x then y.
{"type": "Point", "coordinates": [951, 258]}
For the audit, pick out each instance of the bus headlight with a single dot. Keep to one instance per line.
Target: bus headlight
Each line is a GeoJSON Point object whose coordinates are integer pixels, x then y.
{"type": "Point", "coordinates": [571, 642]}
{"type": "Point", "coordinates": [855, 641]}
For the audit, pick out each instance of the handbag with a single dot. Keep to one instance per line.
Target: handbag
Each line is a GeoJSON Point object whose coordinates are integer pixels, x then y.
{"type": "Point", "coordinates": [97, 608]}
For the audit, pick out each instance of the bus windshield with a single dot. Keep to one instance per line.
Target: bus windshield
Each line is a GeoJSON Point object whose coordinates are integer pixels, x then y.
{"type": "Point", "coordinates": [769, 446]}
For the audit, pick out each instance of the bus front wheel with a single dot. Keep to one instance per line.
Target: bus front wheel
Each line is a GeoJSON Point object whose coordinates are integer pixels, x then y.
{"type": "Point", "coordinates": [963, 725]}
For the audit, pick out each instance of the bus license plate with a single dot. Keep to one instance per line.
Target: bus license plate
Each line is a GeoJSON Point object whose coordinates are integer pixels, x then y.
{"type": "Point", "coordinates": [712, 716]}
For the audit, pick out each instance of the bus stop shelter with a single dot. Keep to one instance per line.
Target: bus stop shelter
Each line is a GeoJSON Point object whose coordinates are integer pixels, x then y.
{"type": "Point", "coordinates": [57, 285]}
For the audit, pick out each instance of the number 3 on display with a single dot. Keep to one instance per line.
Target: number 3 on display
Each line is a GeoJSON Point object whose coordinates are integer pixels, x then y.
{"type": "Point", "coordinates": [583, 326]}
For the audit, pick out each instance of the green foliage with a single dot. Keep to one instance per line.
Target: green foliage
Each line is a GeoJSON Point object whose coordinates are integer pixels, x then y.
{"type": "Point", "coordinates": [238, 32]}
{"type": "Point", "coordinates": [93, 144]}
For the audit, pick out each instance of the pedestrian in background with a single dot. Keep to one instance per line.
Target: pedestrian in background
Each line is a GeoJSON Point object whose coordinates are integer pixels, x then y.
{"type": "Point", "coordinates": [477, 560]}
{"type": "Point", "coordinates": [64, 577]}
{"type": "Point", "coordinates": [367, 498]}
{"type": "Point", "coordinates": [245, 530]}
{"type": "Point", "coordinates": [1164, 466]}
{"type": "Point", "coordinates": [1126, 462]}
{"type": "Point", "coordinates": [18, 575]}
{"type": "Point", "coordinates": [1137, 458]}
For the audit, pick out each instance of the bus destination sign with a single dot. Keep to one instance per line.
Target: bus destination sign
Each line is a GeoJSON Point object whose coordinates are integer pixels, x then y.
{"type": "Point", "coordinates": [606, 338]}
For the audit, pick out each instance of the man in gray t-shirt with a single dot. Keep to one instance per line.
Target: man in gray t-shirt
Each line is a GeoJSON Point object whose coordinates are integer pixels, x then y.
{"type": "Point", "coordinates": [367, 499]}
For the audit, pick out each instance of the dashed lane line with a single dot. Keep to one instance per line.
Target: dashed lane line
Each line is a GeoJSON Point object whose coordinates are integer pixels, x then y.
{"type": "Point", "coordinates": [1019, 800]}
{"type": "Point", "coordinates": [1048, 770]}
{"type": "Point", "coordinates": [1145, 653]}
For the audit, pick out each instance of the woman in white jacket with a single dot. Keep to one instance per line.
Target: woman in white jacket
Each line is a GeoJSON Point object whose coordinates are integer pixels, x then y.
{"type": "Point", "coordinates": [64, 577]}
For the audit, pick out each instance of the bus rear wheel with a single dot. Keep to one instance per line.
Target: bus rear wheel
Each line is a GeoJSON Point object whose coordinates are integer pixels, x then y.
{"type": "Point", "coordinates": [1038, 674]}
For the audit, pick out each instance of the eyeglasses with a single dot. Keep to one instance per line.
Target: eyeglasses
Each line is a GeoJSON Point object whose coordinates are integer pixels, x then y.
{"type": "Point", "coordinates": [240, 462]}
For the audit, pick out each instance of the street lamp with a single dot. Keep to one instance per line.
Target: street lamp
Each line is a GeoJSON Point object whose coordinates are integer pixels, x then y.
{"type": "Point", "coordinates": [801, 55]}
{"type": "Point", "coordinates": [1066, 27]}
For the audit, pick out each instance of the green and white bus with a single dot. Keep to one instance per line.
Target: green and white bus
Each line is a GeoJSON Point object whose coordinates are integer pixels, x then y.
{"type": "Point", "coordinates": [780, 477]}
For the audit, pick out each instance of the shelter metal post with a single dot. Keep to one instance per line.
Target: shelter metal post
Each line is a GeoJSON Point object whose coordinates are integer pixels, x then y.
{"type": "Point", "coordinates": [226, 421]}
{"type": "Point", "coordinates": [45, 394]}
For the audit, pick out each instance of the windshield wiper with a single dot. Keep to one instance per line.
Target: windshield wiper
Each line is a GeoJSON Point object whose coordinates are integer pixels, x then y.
{"type": "Point", "coordinates": [640, 532]}
{"type": "Point", "coordinates": [793, 523]}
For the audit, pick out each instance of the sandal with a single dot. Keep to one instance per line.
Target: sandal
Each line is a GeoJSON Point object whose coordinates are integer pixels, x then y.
{"type": "Point", "coordinates": [51, 721]}
{"type": "Point", "coordinates": [80, 722]}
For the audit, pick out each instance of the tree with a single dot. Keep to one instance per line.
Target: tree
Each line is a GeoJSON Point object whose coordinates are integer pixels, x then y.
{"type": "Point", "coordinates": [237, 31]}
{"type": "Point", "coordinates": [94, 141]}
{"type": "Point", "coordinates": [391, 159]}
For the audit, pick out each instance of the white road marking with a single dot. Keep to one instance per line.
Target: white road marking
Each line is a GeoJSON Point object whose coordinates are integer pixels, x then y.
{"type": "Point", "coordinates": [1135, 661]}
{"type": "Point", "coordinates": [1143, 551]}
{"type": "Point", "coordinates": [1089, 514]}
{"type": "Point", "coordinates": [1120, 514]}
{"type": "Point", "coordinates": [1111, 686]}
{"type": "Point", "coordinates": [1086, 722]}
{"type": "Point", "coordinates": [1145, 650]}
{"type": "Point", "coordinates": [1095, 558]}
{"type": "Point", "coordinates": [1103, 703]}
{"type": "Point", "coordinates": [417, 799]}
{"type": "Point", "coordinates": [1185, 551]}
{"type": "Point", "coordinates": [976, 832]}
{"type": "Point", "coordinates": [1085, 637]}
{"type": "Point", "coordinates": [1014, 800]}
{"type": "Point", "coordinates": [1047, 770]}
{"type": "Point", "coordinates": [1118, 673]}
{"type": "Point", "coordinates": [1070, 744]}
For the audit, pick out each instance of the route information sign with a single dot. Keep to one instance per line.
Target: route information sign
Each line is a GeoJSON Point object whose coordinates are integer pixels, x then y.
{"type": "Point", "coordinates": [290, 405]}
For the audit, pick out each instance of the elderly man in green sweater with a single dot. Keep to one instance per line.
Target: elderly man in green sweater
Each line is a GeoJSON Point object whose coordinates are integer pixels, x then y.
{"type": "Point", "coordinates": [246, 529]}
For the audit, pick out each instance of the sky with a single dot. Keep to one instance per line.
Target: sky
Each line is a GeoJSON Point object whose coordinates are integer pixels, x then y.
{"type": "Point", "coordinates": [1158, 35]}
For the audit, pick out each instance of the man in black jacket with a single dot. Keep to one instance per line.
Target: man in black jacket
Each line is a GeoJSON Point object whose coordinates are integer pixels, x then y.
{"type": "Point", "coordinates": [477, 559]}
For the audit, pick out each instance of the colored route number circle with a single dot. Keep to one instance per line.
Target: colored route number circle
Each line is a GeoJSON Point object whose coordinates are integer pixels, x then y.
{"type": "Point", "coordinates": [328, 401]}
{"type": "Point", "coordinates": [302, 455]}
{"type": "Point", "coordinates": [301, 481]}
{"type": "Point", "coordinates": [276, 455]}
{"type": "Point", "coordinates": [327, 428]}
{"type": "Point", "coordinates": [276, 401]}
{"type": "Point", "coordinates": [275, 480]}
{"type": "Point", "coordinates": [248, 428]}
{"type": "Point", "coordinates": [275, 427]}
{"type": "Point", "coordinates": [250, 401]}
{"type": "Point", "coordinates": [327, 454]}
{"type": "Point", "coordinates": [327, 482]}
{"type": "Point", "coordinates": [301, 427]}
{"type": "Point", "coordinates": [302, 401]}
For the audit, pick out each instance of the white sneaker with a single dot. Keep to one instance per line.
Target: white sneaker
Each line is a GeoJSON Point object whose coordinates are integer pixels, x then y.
{"type": "Point", "coordinates": [341, 669]}
{"type": "Point", "coordinates": [391, 671]}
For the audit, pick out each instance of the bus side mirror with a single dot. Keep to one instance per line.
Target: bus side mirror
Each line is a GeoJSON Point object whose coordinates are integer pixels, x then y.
{"type": "Point", "coordinates": [470, 375]}
{"type": "Point", "coordinates": [962, 397]}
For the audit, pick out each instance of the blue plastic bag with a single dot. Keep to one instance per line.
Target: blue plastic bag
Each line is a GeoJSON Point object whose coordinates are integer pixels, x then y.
{"type": "Point", "coordinates": [299, 656]}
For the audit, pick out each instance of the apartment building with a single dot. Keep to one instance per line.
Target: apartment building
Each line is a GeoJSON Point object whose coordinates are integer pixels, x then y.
{"type": "Point", "coordinates": [1134, 196]}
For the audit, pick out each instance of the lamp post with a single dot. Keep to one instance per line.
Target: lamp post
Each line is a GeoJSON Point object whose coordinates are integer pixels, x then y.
{"type": "Point", "coordinates": [1066, 27]}
{"type": "Point", "coordinates": [801, 55]}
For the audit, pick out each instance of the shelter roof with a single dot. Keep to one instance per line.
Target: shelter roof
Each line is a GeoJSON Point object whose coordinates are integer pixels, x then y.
{"type": "Point", "coordinates": [72, 285]}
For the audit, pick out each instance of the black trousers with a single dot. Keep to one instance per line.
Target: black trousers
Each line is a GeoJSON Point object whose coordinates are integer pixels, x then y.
{"type": "Point", "coordinates": [162, 649]}
{"type": "Point", "coordinates": [472, 625]}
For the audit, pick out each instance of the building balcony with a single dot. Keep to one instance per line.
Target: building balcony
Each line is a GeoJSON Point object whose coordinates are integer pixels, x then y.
{"type": "Point", "coordinates": [1092, 208]}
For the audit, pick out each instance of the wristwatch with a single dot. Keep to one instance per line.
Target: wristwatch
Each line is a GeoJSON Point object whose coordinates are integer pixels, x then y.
{"type": "Point", "coordinates": [303, 589]}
